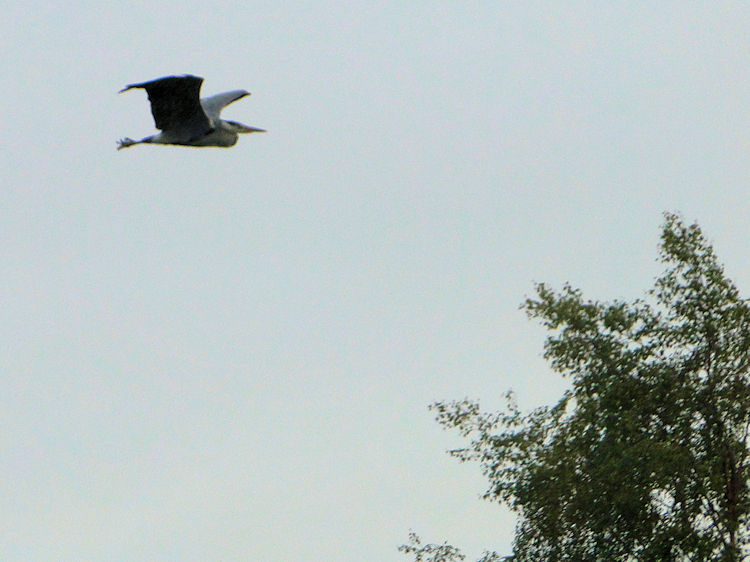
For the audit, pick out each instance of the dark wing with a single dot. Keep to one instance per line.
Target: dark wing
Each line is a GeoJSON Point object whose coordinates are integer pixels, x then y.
{"type": "Point", "coordinates": [175, 104]}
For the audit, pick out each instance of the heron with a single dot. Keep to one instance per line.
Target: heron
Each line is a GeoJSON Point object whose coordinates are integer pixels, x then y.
{"type": "Point", "coordinates": [184, 118]}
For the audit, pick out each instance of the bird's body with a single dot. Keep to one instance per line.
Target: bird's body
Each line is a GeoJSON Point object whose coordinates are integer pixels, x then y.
{"type": "Point", "coordinates": [184, 118]}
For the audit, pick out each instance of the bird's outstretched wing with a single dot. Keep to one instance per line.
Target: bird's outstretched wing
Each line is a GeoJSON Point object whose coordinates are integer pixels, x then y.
{"type": "Point", "coordinates": [214, 104]}
{"type": "Point", "coordinates": [175, 103]}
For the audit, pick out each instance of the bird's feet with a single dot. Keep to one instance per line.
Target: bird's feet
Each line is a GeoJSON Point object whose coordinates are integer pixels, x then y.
{"type": "Point", "coordinates": [124, 143]}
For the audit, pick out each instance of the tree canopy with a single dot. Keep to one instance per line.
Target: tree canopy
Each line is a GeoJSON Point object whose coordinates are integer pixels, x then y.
{"type": "Point", "coordinates": [645, 457]}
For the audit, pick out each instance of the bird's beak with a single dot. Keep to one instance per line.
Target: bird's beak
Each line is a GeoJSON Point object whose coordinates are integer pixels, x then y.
{"type": "Point", "coordinates": [252, 130]}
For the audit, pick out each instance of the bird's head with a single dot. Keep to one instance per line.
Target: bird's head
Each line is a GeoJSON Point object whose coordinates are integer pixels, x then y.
{"type": "Point", "coordinates": [240, 128]}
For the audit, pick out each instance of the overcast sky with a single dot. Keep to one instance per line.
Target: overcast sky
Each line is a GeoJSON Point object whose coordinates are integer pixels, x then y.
{"type": "Point", "coordinates": [228, 354]}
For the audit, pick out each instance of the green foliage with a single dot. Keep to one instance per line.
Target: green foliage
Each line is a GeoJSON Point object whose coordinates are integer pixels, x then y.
{"type": "Point", "coordinates": [440, 552]}
{"type": "Point", "coordinates": [646, 456]}
{"type": "Point", "coordinates": [430, 552]}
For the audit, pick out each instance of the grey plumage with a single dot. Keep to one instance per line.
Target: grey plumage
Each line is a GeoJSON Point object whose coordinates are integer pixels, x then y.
{"type": "Point", "coordinates": [186, 119]}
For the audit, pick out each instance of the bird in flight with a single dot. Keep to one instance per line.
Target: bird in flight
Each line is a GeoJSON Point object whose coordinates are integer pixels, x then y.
{"type": "Point", "coordinates": [184, 118]}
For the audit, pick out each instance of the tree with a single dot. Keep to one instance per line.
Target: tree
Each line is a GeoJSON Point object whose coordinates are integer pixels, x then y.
{"type": "Point", "coordinates": [645, 457]}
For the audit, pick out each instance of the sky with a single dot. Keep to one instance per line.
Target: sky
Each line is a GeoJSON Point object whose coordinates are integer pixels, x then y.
{"type": "Point", "coordinates": [228, 354]}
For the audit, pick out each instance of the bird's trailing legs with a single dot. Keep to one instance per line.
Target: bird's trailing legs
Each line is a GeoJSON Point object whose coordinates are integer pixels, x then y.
{"type": "Point", "coordinates": [126, 142]}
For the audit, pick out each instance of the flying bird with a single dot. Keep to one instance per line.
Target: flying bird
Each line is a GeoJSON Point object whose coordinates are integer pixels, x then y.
{"type": "Point", "coordinates": [185, 118]}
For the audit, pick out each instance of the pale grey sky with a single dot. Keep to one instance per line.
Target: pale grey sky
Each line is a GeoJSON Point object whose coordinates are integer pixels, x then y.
{"type": "Point", "coordinates": [214, 354]}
